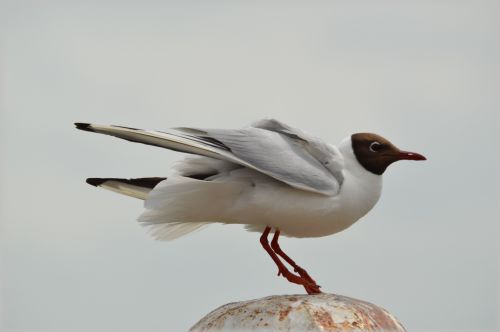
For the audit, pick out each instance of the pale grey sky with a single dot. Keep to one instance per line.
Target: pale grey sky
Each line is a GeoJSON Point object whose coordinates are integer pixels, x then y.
{"type": "Point", "coordinates": [424, 74]}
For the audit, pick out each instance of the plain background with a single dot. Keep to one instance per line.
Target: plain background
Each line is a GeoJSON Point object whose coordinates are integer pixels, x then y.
{"type": "Point", "coordinates": [424, 74]}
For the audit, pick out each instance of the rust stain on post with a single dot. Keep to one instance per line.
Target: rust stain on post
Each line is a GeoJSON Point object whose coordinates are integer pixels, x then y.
{"type": "Point", "coordinates": [285, 312]}
{"type": "Point", "coordinates": [324, 319]}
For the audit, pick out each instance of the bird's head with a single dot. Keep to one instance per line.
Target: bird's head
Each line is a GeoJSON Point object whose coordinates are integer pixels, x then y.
{"type": "Point", "coordinates": [376, 153]}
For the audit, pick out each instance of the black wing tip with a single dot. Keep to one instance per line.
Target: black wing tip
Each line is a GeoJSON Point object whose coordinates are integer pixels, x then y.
{"type": "Point", "coordinates": [96, 182]}
{"type": "Point", "coordinates": [139, 182]}
{"type": "Point", "coordinates": [84, 126]}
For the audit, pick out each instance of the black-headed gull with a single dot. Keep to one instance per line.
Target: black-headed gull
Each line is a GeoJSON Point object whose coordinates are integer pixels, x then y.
{"type": "Point", "coordinates": [268, 176]}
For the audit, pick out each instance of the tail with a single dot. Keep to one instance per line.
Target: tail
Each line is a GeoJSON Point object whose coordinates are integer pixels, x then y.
{"type": "Point", "coordinates": [166, 215]}
{"type": "Point", "coordinates": [182, 205]}
{"type": "Point", "coordinates": [138, 188]}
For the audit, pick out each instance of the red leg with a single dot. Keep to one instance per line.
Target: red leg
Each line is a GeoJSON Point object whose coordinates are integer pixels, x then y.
{"type": "Point", "coordinates": [311, 288]}
{"type": "Point", "coordinates": [277, 249]}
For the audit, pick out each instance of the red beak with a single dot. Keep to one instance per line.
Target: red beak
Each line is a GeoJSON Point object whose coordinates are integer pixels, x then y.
{"type": "Point", "coordinates": [405, 155]}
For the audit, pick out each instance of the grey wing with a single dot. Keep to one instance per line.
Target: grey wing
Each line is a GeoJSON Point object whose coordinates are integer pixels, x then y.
{"type": "Point", "coordinates": [270, 147]}
{"type": "Point", "coordinates": [282, 152]}
{"type": "Point", "coordinates": [328, 155]}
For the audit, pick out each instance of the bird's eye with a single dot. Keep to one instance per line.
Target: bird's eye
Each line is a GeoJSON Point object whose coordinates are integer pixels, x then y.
{"type": "Point", "coordinates": [375, 146]}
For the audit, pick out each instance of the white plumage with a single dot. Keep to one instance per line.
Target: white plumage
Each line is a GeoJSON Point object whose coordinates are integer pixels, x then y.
{"type": "Point", "coordinates": [267, 174]}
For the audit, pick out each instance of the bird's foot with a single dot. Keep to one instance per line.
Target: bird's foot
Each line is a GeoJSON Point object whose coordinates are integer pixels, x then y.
{"type": "Point", "coordinates": [313, 290]}
{"type": "Point", "coordinates": [310, 285]}
{"type": "Point", "coordinates": [303, 273]}
{"type": "Point", "coordinates": [274, 250]}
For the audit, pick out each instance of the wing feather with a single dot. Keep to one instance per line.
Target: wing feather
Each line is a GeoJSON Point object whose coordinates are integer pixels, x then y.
{"type": "Point", "coordinates": [269, 146]}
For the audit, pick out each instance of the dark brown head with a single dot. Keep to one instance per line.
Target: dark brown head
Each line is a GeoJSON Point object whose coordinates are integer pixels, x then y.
{"type": "Point", "coordinates": [375, 153]}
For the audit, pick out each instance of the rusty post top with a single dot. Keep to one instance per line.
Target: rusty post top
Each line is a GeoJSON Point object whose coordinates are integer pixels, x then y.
{"type": "Point", "coordinates": [322, 312]}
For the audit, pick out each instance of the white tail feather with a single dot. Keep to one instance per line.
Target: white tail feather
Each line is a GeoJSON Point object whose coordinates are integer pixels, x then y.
{"type": "Point", "coordinates": [172, 231]}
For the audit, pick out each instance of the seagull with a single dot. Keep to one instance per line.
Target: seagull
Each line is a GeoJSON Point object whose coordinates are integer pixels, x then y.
{"type": "Point", "coordinates": [269, 177]}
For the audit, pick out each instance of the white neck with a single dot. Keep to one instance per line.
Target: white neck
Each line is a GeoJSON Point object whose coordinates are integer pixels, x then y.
{"type": "Point", "coordinates": [361, 188]}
